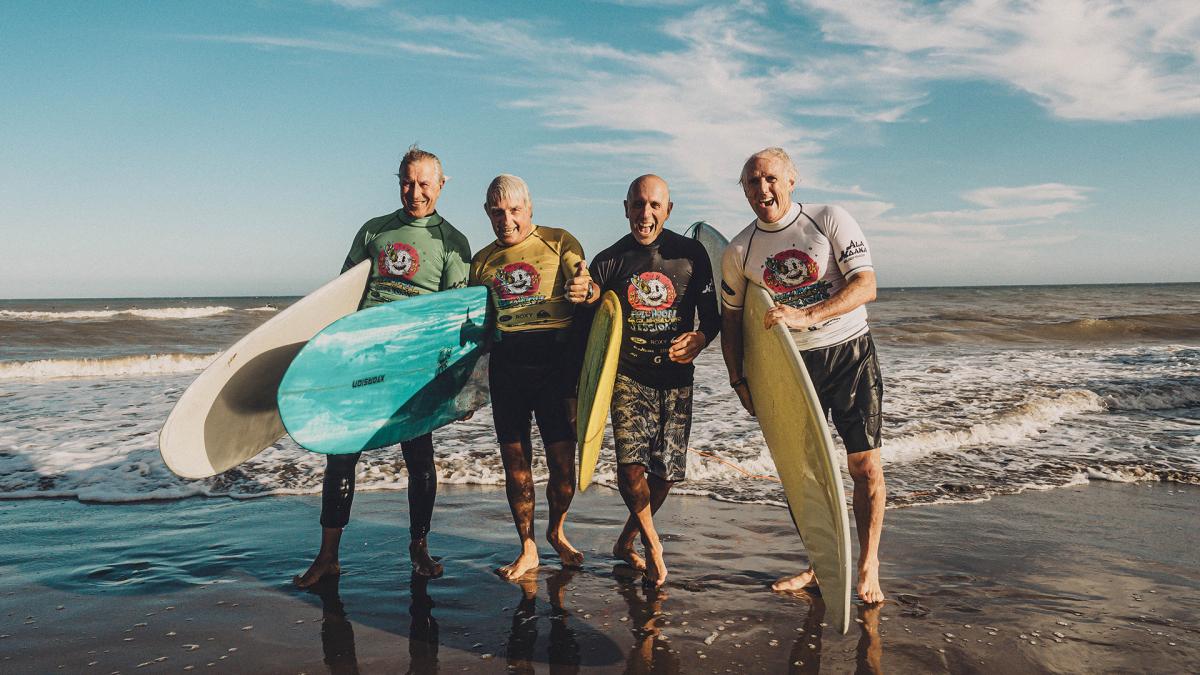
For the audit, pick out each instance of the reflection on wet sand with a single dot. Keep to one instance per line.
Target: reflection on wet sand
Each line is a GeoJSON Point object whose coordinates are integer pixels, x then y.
{"type": "Point", "coordinates": [562, 652]}
{"type": "Point", "coordinates": [651, 651]}
{"type": "Point", "coordinates": [337, 633]}
{"type": "Point", "coordinates": [423, 629]}
{"type": "Point", "coordinates": [806, 650]}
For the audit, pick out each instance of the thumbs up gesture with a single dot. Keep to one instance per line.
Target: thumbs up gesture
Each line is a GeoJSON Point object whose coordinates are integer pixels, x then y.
{"type": "Point", "coordinates": [581, 289]}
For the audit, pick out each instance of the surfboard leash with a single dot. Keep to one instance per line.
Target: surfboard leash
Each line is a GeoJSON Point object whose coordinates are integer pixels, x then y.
{"type": "Point", "coordinates": [733, 466]}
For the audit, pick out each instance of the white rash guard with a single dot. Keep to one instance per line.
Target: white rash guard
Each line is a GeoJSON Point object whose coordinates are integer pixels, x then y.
{"type": "Point", "coordinates": [803, 259]}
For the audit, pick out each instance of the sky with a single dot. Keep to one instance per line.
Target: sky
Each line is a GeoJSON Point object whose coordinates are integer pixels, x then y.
{"type": "Point", "coordinates": [161, 149]}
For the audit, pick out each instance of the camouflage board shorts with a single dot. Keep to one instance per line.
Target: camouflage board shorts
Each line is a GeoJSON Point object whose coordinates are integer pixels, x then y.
{"type": "Point", "coordinates": [651, 427]}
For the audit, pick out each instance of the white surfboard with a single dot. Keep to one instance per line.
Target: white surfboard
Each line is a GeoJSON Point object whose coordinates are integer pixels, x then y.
{"type": "Point", "coordinates": [794, 427]}
{"type": "Point", "coordinates": [229, 413]}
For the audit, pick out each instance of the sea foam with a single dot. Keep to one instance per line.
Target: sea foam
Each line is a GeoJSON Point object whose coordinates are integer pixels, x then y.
{"type": "Point", "coordinates": [122, 366]}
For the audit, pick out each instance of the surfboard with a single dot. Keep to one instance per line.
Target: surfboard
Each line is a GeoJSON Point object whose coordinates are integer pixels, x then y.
{"type": "Point", "coordinates": [714, 244]}
{"type": "Point", "coordinates": [793, 425]}
{"type": "Point", "coordinates": [228, 413]}
{"type": "Point", "coordinates": [389, 373]}
{"type": "Point", "coordinates": [596, 379]}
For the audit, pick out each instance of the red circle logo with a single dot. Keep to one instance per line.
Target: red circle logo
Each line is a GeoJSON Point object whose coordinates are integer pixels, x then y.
{"type": "Point", "coordinates": [399, 260]}
{"type": "Point", "coordinates": [516, 280]}
{"type": "Point", "coordinates": [650, 290]}
{"type": "Point", "coordinates": [789, 269]}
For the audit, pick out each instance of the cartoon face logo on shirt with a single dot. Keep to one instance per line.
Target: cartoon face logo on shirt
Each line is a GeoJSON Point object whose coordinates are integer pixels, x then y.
{"type": "Point", "coordinates": [789, 269]}
{"type": "Point", "coordinates": [399, 260]}
{"type": "Point", "coordinates": [651, 290]}
{"type": "Point", "coordinates": [516, 280]}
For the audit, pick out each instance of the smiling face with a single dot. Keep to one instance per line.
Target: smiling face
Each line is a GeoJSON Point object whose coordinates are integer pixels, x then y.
{"type": "Point", "coordinates": [768, 184]}
{"type": "Point", "coordinates": [647, 206]}
{"type": "Point", "coordinates": [512, 220]}
{"type": "Point", "coordinates": [420, 185]}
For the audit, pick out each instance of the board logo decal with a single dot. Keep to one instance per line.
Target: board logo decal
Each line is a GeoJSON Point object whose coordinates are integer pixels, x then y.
{"type": "Point", "coordinates": [650, 291]}
{"type": "Point", "coordinates": [399, 260]}
{"type": "Point", "coordinates": [374, 379]}
{"type": "Point", "coordinates": [789, 269]}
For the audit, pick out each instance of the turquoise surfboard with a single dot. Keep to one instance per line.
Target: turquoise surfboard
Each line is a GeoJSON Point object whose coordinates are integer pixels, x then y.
{"type": "Point", "coordinates": [389, 373]}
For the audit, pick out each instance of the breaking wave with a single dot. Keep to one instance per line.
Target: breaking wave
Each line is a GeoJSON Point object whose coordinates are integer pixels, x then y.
{"type": "Point", "coordinates": [122, 366]}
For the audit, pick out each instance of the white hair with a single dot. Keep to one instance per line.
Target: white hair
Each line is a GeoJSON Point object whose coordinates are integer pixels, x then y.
{"type": "Point", "coordinates": [775, 153]}
{"type": "Point", "coordinates": [507, 187]}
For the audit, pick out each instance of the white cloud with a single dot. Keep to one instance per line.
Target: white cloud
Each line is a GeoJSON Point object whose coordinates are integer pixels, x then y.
{"type": "Point", "coordinates": [1109, 60]}
{"type": "Point", "coordinates": [338, 43]}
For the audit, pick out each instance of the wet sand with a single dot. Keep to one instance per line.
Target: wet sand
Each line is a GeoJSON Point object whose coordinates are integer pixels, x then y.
{"type": "Point", "coordinates": [1097, 578]}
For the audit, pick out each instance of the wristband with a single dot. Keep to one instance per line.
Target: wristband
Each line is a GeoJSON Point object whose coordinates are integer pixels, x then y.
{"type": "Point", "coordinates": [737, 383]}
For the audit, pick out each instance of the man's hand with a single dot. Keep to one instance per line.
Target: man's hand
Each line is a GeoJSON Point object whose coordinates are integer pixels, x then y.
{"type": "Point", "coordinates": [686, 347]}
{"type": "Point", "coordinates": [580, 290]}
{"type": "Point", "coordinates": [790, 317]}
{"type": "Point", "coordinates": [743, 394]}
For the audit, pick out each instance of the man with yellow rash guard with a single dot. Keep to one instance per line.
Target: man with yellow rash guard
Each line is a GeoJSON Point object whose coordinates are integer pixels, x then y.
{"type": "Point", "coordinates": [532, 370]}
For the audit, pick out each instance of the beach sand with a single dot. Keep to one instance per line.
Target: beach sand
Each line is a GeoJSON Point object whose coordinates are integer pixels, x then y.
{"type": "Point", "coordinates": [1097, 578]}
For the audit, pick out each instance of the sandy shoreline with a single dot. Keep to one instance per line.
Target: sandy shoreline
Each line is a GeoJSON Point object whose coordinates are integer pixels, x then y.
{"type": "Point", "coordinates": [1095, 578]}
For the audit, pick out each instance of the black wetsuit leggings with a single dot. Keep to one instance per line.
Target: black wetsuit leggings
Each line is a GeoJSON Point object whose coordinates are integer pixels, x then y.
{"type": "Point", "coordinates": [338, 492]}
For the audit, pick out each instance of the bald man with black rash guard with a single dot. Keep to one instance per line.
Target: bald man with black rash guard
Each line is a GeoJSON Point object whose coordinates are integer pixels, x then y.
{"type": "Point", "coordinates": [663, 279]}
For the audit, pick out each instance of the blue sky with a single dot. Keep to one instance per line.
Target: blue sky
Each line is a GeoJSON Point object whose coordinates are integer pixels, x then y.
{"type": "Point", "coordinates": [233, 148]}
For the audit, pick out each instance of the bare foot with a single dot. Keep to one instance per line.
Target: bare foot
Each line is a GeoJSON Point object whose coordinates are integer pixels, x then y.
{"type": "Point", "coordinates": [868, 583]}
{"type": "Point", "coordinates": [656, 568]}
{"type": "Point", "coordinates": [319, 569]}
{"type": "Point", "coordinates": [528, 560]}
{"type": "Point", "coordinates": [625, 552]}
{"type": "Point", "coordinates": [422, 563]}
{"type": "Point", "coordinates": [797, 582]}
{"type": "Point", "coordinates": [568, 554]}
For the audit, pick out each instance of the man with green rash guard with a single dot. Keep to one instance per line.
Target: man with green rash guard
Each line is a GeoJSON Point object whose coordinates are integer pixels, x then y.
{"type": "Point", "coordinates": [412, 251]}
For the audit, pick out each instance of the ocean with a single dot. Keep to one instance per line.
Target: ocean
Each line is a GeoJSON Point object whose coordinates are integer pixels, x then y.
{"type": "Point", "coordinates": [988, 391]}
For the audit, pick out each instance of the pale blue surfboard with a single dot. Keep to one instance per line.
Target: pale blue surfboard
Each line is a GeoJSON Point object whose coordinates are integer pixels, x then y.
{"type": "Point", "coordinates": [714, 244]}
{"type": "Point", "coordinates": [389, 373]}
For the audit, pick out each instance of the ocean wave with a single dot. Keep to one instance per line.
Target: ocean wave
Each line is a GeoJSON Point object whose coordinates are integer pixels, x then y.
{"type": "Point", "coordinates": [158, 313]}
{"type": "Point", "coordinates": [967, 328]}
{"type": "Point", "coordinates": [122, 366]}
{"type": "Point", "coordinates": [1023, 421]}
{"type": "Point", "coordinates": [1163, 395]}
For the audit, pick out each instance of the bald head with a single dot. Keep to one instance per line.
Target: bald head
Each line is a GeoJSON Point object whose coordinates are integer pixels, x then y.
{"type": "Point", "coordinates": [647, 206]}
{"type": "Point", "coordinates": [648, 179]}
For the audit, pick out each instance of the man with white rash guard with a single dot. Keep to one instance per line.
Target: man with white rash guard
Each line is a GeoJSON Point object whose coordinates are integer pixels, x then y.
{"type": "Point", "coordinates": [815, 261]}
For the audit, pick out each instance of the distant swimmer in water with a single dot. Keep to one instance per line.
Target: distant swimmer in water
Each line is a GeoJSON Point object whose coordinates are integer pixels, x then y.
{"type": "Point", "coordinates": [815, 260]}
{"type": "Point", "coordinates": [663, 280]}
{"type": "Point", "coordinates": [413, 251]}
{"type": "Point", "coordinates": [532, 371]}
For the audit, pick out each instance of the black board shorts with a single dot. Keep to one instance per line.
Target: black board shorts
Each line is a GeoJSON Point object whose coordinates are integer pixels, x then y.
{"type": "Point", "coordinates": [530, 373]}
{"type": "Point", "coordinates": [850, 389]}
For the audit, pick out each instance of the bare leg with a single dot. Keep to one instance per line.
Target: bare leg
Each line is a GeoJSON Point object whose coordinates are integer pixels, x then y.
{"type": "Point", "coordinates": [518, 484]}
{"type": "Point", "coordinates": [560, 490]}
{"type": "Point", "coordinates": [631, 479]}
{"type": "Point", "coordinates": [623, 549]}
{"type": "Point", "coordinates": [870, 497]}
{"type": "Point", "coordinates": [326, 563]}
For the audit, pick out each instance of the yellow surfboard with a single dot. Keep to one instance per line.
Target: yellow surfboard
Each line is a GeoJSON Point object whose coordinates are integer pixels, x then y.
{"type": "Point", "coordinates": [793, 425]}
{"type": "Point", "coordinates": [596, 384]}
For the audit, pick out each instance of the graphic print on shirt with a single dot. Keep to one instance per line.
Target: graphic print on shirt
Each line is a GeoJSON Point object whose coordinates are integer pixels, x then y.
{"type": "Point", "coordinates": [399, 260]}
{"type": "Point", "coordinates": [651, 297]}
{"type": "Point", "coordinates": [516, 285]}
{"type": "Point", "coordinates": [793, 276]}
